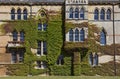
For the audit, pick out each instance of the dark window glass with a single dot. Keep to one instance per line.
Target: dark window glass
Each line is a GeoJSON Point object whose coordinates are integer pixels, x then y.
{"type": "Point", "coordinates": [19, 14]}
{"type": "Point", "coordinates": [21, 56]}
{"type": "Point", "coordinates": [102, 14]}
{"type": "Point", "coordinates": [95, 59]}
{"type": "Point", "coordinates": [60, 60]}
{"type": "Point", "coordinates": [44, 48]}
{"type": "Point", "coordinates": [39, 64]}
{"type": "Point", "coordinates": [82, 13]}
{"type": "Point", "coordinates": [96, 14]}
{"type": "Point", "coordinates": [76, 35]}
{"type": "Point", "coordinates": [76, 13]}
{"type": "Point", "coordinates": [108, 14]}
{"type": "Point", "coordinates": [71, 13]}
{"type": "Point", "coordinates": [82, 35]}
{"type": "Point", "coordinates": [15, 36]}
{"type": "Point", "coordinates": [39, 48]}
{"type": "Point", "coordinates": [45, 27]}
{"type": "Point", "coordinates": [22, 36]}
{"type": "Point", "coordinates": [14, 57]}
{"type": "Point", "coordinates": [13, 14]}
{"type": "Point", "coordinates": [39, 26]}
{"type": "Point", "coordinates": [25, 14]}
{"type": "Point", "coordinates": [91, 59]}
{"type": "Point", "coordinates": [71, 35]}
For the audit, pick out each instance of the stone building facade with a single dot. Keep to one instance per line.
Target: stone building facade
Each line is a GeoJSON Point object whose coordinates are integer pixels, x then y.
{"type": "Point", "coordinates": [98, 12]}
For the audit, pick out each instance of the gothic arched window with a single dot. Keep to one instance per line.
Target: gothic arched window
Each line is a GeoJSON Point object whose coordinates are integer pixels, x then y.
{"type": "Point", "coordinates": [71, 13]}
{"type": "Point", "coordinates": [70, 35]}
{"type": "Point", "coordinates": [76, 13]}
{"type": "Point", "coordinates": [25, 14]}
{"type": "Point", "coordinates": [76, 35]}
{"type": "Point", "coordinates": [96, 14]}
{"type": "Point", "coordinates": [82, 13]}
{"type": "Point", "coordinates": [103, 38]}
{"type": "Point", "coordinates": [82, 35]}
{"type": "Point", "coordinates": [13, 14]}
{"type": "Point", "coordinates": [102, 14]}
{"type": "Point", "coordinates": [108, 14]}
{"type": "Point", "coordinates": [19, 14]}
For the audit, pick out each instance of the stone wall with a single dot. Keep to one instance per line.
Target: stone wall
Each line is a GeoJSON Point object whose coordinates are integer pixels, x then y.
{"type": "Point", "coordinates": [5, 10]}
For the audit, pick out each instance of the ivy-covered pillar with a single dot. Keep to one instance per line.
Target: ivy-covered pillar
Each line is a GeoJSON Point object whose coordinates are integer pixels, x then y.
{"type": "Point", "coordinates": [76, 64]}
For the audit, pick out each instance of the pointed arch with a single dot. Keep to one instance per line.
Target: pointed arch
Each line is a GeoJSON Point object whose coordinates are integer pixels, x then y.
{"type": "Point", "coordinates": [96, 14]}
{"type": "Point", "coordinates": [102, 14]}
{"type": "Point", "coordinates": [42, 13]}
{"type": "Point", "coordinates": [82, 35]}
{"type": "Point", "coordinates": [76, 13]}
{"type": "Point", "coordinates": [76, 35]}
{"type": "Point", "coordinates": [71, 12]}
{"type": "Point", "coordinates": [12, 14]}
{"type": "Point", "coordinates": [108, 14]}
{"type": "Point", "coordinates": [103, 37]}
{"type": "Point", "coordinates": [25, 13]}
{"type": "Point", "coordinates": [19, 14]}
{"type": "Point", "coordinates": [82, 13]}
{"type": "Point", "coordinates": [71, 35]}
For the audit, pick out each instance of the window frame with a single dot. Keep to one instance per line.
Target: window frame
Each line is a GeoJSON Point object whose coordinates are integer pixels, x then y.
{"type": "Point", "coordinates": [71, 35]}
{"type": "Point", "coordinates": [25, 13]}
{"type": "Point", "coordinates": [82, 13]}
{"type": "Point", "coordinates": [82, 35]}
{"type": "Point", "coordinates": [76, 35]}
{"type": "Point", "coordinates": [15, 36]}
{"type": "Point", "coordinates": [42, 48]}
{"type": "Point", "coordinates": [19, 14]}
{"type": "Point", "coordinates": [102, 37]}
{"type": "Point", "coordinates": [102, 14]}
{"type": "Point", "coordinates": [76, 13]}
{"type": "Point", "coordinates": [22, 36]}
{"type": "Point", "coordinates": [108, 14]}
{"type": "Point", "coordinates": [96, 14]}
{"type": "Point", "coordinates": [71, 13]}
{"type": "Point", "coordinates": [12, 14]}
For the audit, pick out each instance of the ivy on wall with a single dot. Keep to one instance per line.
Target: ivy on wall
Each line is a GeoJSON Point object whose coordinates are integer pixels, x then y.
{"type": "Point", "coordinates": [54, 37]}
